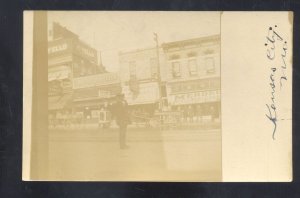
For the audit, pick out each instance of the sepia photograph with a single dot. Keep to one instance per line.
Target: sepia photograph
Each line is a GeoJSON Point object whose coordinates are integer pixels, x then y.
{"type": "Point", "coordinates": [126, 96]}
{"type": "Point", "coordinates": [136, 99]}
{"type": "Point", "coordinates": [157, 96]}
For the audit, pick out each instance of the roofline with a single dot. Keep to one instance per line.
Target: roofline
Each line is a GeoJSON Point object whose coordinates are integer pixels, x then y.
{"type": "Point", "coordinates": [187, 41]}
{"type": "Point", "coordinates": [137, 50]}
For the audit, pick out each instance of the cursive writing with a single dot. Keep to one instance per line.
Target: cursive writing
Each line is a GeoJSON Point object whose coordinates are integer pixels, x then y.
{"type": "Point", "coordinates": [272, 114]}
{"type": "Point", "coordinates": [273, 40]}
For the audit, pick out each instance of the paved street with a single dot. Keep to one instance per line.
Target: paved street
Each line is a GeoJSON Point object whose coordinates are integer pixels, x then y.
{"type": "Point", "coordinates": [191, 155]}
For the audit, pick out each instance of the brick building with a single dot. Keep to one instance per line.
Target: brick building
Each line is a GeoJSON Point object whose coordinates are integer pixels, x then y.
{"type": "Point", "coordinates": [141, 78]}
{"type": "Point", "coordinates": [68, 58]}
{"type": "Point", "coordinates": [193, 77]}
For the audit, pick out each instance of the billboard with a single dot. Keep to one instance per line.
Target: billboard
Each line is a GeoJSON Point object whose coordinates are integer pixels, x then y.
{"type": "Point", "coordinates": [70, 45]}
{"type": "Point", "coordinates": [96, 80]}
{"type": "Point", "coordinates": [59, 47]}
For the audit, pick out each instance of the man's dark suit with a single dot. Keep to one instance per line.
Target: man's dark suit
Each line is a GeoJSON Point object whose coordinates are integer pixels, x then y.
{"type": "Point", "coordinates": [120, 113]}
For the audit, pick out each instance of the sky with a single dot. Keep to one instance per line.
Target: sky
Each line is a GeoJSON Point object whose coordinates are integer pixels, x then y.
{"type": "Point", "coordinates": [113, 31]}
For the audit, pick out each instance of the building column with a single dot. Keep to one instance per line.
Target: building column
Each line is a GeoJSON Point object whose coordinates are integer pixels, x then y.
{"type": "Point", "coordinates": [39, 123]}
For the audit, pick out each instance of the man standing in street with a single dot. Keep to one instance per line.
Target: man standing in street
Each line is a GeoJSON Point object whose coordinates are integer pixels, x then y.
{"type": "Point", "coordinates": [119, 110]}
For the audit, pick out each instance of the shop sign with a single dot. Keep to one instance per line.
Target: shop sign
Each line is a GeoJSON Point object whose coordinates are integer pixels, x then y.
{"type": "Point", "coordinates": [95, 80]}
{"type": "Point", "coordinates": [194, 97]}
{"type": "Point", "coordinates": [195, 85]}
{"type": "Point", "coordinates": [59, 47]}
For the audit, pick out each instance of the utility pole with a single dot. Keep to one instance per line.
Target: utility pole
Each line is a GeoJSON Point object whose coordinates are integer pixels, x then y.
{"type": "Point", "coordinates": [158, 71]}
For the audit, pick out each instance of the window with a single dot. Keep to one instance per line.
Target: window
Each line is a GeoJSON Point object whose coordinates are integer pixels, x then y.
{"type": "Point", "coordinates": [193, 68]}
{"type": "Point", "coordinates": [210, 65]}
{"type": "Point", "coordinates": [176, 69]}
{"type": "Point", "coordinates": [153, 67]}
{"type": "Point", "coordinates": [132, 69]}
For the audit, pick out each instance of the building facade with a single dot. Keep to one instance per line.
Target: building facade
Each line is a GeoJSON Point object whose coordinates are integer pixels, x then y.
{"type": "Point", "coordinates": [69, 58]}
{"type": "Point", "coordinates": [193, 77]}
{"type": "Point", "coordinates": [141, 78]}
{"type": "Point", "coordinates": [93, 93]}
{"type": "Point", "coordinates": [188, 80]}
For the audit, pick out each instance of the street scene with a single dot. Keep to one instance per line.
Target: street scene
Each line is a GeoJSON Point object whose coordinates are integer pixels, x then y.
{"type": "Point", "coordinates": [122, 108]}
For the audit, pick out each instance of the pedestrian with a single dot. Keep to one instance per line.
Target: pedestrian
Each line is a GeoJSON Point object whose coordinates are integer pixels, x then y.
{"type": "Point", "coordinates": [119, 110]}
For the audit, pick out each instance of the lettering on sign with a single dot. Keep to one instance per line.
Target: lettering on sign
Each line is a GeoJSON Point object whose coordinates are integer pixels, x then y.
{"type": "Point", "coordinates": [57, 48]}
{"type": "Point", "coordinates": [195, 97]}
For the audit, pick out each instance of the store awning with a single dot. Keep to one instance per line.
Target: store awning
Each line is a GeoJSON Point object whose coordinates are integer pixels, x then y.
{"type": "Point", "coordinates": [59, 102]}
{"type": "Point", "coordinates": [58, 75]}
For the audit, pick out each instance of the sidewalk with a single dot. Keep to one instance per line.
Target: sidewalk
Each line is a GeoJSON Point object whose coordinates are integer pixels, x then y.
{"type": "Point", "coordinates": [133, 134]}
{"type": "Point", "coordinates": [143, 126]}
{"type": "Point", "coordinates": [153, 155]}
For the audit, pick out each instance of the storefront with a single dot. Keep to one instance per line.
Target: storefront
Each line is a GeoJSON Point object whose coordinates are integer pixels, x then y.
{"type": "Point", "coordinates": [92, 94]}
{"type": "Point", "coordinates": [197, 100]}
{"type": "Point", "coordinates": [59, 95]}
{"type": "Point", "coordinates": [59, 109]}
{"type": "Point", "coordinates": [75, 80]}
{"type": "Point", "coordinates": [90, 108]}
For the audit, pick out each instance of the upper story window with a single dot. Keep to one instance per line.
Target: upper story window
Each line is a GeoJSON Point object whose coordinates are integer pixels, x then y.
{"type": "Point", "coordinates": [193, 67]}
{"type": "Point", "coordinates": [176, 73]}
{"type": "Point", "coordinates": [210, 65]}
{"type": "Point", "coordinates": [153, 67]}
{"type": "Point", "coordinates": [132, 69]}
